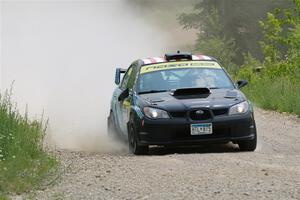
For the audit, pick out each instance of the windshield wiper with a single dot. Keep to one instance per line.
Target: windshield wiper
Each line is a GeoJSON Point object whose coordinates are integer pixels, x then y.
{"type": "Point", "coordinates": [214, 88]}
{"type": "Point", "coordinates": [152, 91]}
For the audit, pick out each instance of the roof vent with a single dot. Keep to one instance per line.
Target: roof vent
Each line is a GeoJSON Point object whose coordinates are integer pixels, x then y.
{"type": "Point", "coordinates": [178, 56]}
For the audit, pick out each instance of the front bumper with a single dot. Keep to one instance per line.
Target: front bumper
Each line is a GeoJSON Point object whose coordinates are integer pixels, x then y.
{"type": "Point", "coordinates": [177, 131]}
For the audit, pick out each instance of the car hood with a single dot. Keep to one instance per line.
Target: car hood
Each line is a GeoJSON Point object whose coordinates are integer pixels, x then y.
{"type": "Point", "coordinates": [217, 98]}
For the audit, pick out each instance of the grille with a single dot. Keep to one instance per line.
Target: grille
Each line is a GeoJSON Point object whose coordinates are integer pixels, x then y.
{"type": "Point", "coordinates": [222, 111]}
{"type": "Point", "coordinates": [197, 116]}
{"type": "Point", "coordinates": [194, 116]}
{"type": "Point", "coordinates": [178, 114]}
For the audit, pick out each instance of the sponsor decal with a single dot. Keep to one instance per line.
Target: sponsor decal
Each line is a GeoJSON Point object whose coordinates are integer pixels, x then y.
{"type": "Point", "coordinates": [126, 104]}
{"type": "Point", "coordinates": [179, 65]}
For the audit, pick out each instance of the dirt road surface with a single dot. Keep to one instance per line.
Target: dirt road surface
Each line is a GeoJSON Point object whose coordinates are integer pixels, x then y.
{"type": "Point", "coordinates": [210, 172]}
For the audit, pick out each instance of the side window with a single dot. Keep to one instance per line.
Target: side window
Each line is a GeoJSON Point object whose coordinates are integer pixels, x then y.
{"type": "Point", "coordinates": [126, 78]}
{"type": "Point", "coordinates": [132, 77]}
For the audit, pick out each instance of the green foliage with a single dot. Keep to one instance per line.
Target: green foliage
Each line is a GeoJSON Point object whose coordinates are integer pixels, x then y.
{"type": "Point", "coordinates": [278, 86]}
{"type": "Point", "coordinates": [272, 30]}
{"type": "Point", "coordinates": [227, 25]}
{"type": "Point", "coordinates": [211, 40]}
{"type": "Point", "coordinates": [281, 44]}
{"type": "Point", "coordinates": [278, 94]}
{"type": "Point", "coordinates": [221, 48]}
{"type": "Point", "coordinates": [23, 162]}
{"type": "Point", "coordinates": [237, 20]}
{"type": "Point", "coordinates": [250, 66]}
{"type": "Point", "coordinates": [3, 197]}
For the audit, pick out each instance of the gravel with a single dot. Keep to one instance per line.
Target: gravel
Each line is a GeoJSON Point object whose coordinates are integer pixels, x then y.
{"type": "Point", "coordinates": [208, 172]}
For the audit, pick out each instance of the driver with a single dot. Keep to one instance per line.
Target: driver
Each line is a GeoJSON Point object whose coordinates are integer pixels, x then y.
{"type": "Point", "coordinates": [205, 79]}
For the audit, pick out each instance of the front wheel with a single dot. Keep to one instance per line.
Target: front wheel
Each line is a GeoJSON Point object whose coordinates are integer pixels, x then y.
{"type": "Point", "coordinates": [248, 145]}
{"type": "Point", "coordinates": [134, 147]}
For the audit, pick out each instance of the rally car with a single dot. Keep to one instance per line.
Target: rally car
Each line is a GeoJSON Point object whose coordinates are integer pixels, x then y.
{"type": "Point", "coordinates": [180, 99]}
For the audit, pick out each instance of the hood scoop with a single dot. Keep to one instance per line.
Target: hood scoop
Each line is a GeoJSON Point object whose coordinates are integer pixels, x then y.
{"type": "Point", "coordinates": [231, 94]}
{"type": "Point", "coordinates": [191, 93]}
{"type": "Point", "coordinates": [155, 100]}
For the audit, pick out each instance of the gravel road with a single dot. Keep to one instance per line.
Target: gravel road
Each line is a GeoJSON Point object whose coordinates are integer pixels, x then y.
{"type": "Point", "coordinates": [210, 172]}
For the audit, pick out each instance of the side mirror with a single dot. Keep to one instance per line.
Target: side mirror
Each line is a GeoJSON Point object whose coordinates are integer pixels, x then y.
{"type": "Point", "coordinates": [242, 83]}
{"type": "Point", "coordinates": [119, 71]}
{"type": "Point", "coordinates": [117, 76]}
{"type": "Point", "coordinates": [124, 94]}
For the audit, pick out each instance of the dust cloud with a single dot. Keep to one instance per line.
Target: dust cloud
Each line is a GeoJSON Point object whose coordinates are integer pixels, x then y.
{"type": "Point", "coordinates": [62, 56]}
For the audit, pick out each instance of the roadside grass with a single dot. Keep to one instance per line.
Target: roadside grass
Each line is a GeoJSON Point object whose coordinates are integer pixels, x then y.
{"type": "Point", "coordinates": [3, 197]}
{"type": "Point", "coordinates": [279, 94]}
{"type": "Point", "coordinates": [24, 164]}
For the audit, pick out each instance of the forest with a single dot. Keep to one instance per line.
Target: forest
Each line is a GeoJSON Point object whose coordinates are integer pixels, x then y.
{"type": "Point", "coordinates": [256, 40]}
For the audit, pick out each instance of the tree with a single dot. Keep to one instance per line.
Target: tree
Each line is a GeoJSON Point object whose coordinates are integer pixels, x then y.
{"type": "Point", "coordinates": [281, 45]}
{"type": "Point", "coordinates": [238, 22]}
{"type": "Point", "coordinates": [211, 39]}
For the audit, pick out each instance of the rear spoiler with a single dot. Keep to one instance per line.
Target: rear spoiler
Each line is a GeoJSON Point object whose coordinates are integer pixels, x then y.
{"type": "Point", "coordinates": [119, 71]}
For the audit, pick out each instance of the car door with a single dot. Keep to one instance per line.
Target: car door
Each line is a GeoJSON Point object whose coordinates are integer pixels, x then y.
{"type": "Point", "coordinates": [125, 105]}
{"type": "Point", "coordinates": [119, 104]}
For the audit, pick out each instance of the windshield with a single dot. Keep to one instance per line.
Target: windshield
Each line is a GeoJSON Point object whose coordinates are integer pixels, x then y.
{"type": "Point", "coordinates": [164, 77]}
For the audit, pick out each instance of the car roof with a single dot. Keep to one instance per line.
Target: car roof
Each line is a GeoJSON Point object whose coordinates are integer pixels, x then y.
{"type": "Point", "coordinates": [168, 58]}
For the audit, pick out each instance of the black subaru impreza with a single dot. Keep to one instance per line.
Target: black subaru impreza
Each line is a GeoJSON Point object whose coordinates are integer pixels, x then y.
{"type": "Point", "coordinates": [180, 99]}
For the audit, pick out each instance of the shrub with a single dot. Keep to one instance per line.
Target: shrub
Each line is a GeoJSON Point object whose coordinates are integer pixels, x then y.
{"type": "Point", "coordinates": [24, 164]}
{"type": "Point", "coordinates": [280, 94]}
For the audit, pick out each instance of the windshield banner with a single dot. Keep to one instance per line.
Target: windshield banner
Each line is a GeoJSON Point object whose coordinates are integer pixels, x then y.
{"type": "Point", "coordinates": [179, 65]}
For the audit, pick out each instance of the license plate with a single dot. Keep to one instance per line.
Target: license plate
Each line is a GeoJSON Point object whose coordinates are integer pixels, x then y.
{"type": "Point", "coordinates": [201, 129]}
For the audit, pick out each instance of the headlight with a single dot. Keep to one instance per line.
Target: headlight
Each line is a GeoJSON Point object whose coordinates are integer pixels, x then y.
{"type": "Point", "coordinates": [155, 113]}
{"type": "Point", "coordinates": [240, 108]}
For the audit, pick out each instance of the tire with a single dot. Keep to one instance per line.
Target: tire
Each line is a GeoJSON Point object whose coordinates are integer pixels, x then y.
{"type": "Point", "coordinates": [248, 145]}
{"type": "Point", "coordinates": [134, 147]}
